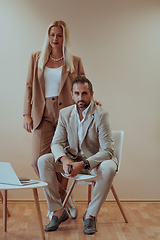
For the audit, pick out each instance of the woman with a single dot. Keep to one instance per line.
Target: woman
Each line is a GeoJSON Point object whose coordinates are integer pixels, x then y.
{"type": "Point", "coordinates": [48, 85]}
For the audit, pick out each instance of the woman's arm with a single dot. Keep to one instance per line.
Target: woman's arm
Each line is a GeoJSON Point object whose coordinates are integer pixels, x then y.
{"type": "Point", "coordinates": [27, 121]}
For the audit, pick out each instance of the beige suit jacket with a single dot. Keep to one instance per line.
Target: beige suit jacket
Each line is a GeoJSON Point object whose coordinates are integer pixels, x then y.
{"type": "Point", "coordinates": [34, 100]}
{"type": "Point", "coordinates": [97, 143]}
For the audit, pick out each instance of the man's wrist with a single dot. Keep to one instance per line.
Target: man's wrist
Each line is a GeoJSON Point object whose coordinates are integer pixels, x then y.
{"type": "Point", "coordinates": [63, 158]}
{"type": "Point", "coordinates": [86, 164]}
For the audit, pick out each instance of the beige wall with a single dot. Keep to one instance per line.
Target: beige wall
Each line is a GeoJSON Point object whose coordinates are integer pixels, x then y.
{"type": "Point", "coordinates": [119, 43]}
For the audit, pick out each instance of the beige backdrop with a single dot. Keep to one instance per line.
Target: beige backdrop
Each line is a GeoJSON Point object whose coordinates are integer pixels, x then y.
{"type": "Point", "coordinates": [119, 43]}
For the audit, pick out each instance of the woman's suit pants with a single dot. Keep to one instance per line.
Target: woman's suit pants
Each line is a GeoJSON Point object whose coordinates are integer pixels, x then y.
{"type": "Point", "coordinates": [43, 135]}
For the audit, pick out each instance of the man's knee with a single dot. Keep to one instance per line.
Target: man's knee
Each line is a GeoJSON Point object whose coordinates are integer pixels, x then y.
{"type": "Point", "coordinates": [44, 160]}
{"type": "Point", "coordinates": [108, 168]}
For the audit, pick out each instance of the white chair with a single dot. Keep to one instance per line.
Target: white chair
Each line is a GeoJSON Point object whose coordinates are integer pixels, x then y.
{"type": "Point", "coordinates": [90, 180]}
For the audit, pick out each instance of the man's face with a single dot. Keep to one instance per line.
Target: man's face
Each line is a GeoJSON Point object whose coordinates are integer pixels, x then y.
{"type": "Point", "coordinates": [81, 95]}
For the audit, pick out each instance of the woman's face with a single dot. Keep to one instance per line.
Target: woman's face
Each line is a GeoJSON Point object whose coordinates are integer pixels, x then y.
{"type": "Point", "coordinates": [56, 37]}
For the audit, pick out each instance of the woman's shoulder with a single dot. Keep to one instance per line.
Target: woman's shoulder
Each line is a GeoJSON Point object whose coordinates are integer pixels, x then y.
{"type": "Point", "coordinates": [77, 61]}
{"type": "Point", "coordinates": [75, 58]}
{"type": "Point", "coordinates": [36, 54]}
{"type": "Point", "coordinates": [35, 57]}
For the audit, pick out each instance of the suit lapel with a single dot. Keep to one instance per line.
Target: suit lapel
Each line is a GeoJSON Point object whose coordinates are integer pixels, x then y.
{"type": "Point", "coordinates": [63, 77]}
{"type": "Point", "coordinates": [41, 80]}
{"type": "Point", "coordinates": [74, 127]}
{"type": "Point", "coordinates": [86, 124]}
{"type": "Point", "coordinates": [88, 120]}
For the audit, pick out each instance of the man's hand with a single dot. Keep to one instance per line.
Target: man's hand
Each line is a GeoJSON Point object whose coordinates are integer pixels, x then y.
{"type": "Point", "coordinates": [66, 162]}
{"type": "Point", "coordinates": [76, 168]}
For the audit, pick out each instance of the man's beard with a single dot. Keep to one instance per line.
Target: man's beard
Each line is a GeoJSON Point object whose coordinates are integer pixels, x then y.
{"type": "Point", "coordinates": [82, 107]}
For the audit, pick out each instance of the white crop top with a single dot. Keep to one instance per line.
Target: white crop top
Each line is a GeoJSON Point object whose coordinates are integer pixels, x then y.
{"type": "Point", "coordinates": [52, 78]}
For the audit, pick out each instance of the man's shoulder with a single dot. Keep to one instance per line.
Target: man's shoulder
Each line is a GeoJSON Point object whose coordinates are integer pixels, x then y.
{"type": "Point", "coordinates": [67, 110]}
{"type": "Point", "coordinates": [100, 115]}
{"type": "Point", "coordinates": [98, 110]}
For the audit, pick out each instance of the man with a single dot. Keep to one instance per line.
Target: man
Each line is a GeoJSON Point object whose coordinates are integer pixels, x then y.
{"type": "Point", "coordinates": [85, 128]}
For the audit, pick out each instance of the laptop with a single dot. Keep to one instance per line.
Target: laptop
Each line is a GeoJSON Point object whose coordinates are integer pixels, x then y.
{"type": "Point", "coordinates": [8, 176]}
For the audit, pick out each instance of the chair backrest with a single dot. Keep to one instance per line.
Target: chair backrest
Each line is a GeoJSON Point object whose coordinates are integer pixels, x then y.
{"type": "Point", "coordinates": [118, 143]}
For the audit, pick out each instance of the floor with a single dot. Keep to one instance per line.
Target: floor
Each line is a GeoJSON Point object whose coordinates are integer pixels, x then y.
{"type": "Point", "coordinates": [144, 223]}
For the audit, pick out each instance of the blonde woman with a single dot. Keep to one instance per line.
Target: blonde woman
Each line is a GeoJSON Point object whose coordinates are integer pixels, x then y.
{"type": "Point", "coordinates": [48, 85]}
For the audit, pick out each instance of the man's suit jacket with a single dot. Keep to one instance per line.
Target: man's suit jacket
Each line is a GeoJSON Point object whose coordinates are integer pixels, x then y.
{"type": "Point", "coordinates": [97, 143]}
{"type": "Point", "coordinates": [34, 100]}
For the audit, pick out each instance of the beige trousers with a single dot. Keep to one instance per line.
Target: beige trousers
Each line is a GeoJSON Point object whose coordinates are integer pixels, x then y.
{"type": "Point", "coordinates": [48, 168]}
{"type": "Point", "coordinates": [43, 134]}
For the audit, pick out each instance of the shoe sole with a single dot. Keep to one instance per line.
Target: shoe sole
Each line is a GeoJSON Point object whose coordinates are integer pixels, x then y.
{"type": "Point", "coordinates": [88, 233]}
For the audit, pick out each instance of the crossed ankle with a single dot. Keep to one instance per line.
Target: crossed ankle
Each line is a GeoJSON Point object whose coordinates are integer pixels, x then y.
{"type": "Point", "coordinates": [58, 213]}
{"type": "Point", "coordinates": [89, 216]}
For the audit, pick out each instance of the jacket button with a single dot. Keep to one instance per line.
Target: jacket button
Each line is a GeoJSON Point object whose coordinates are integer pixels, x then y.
{"type": "Point", "coordinates": [60, 103]}
{"type": "Point", "coordinates": [53, 98]}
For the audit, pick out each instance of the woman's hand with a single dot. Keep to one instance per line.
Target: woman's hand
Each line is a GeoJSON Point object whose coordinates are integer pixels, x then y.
{"type": "Point", "coordinates": [28, 123]}
{"type": "Point", "coordinates": [97, 103]}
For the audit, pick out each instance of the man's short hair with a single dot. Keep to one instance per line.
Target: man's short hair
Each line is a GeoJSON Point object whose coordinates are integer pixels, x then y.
{"type": "Point", "coordinates": [83, 80]}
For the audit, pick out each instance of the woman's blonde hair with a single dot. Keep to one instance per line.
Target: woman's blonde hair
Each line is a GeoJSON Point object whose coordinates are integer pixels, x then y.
{"type": "Point", "coordinates": [46, 48]}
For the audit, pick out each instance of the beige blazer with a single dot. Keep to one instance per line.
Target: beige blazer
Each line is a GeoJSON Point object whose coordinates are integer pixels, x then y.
{"type": "Point", "coordinates": [97, 143]}
{"type": "Point", "coordinates": [34, 100]}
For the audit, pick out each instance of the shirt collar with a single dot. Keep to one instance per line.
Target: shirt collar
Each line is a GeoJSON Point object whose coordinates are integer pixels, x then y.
{"type": "Point", "coordinates": [84, 111]}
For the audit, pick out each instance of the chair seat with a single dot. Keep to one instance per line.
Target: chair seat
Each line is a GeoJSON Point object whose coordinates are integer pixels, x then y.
{"type": "Point", "coordinates": [82, 177]}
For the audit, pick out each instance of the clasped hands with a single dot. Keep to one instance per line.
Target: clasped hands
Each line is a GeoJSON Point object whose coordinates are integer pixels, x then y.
{"type": "Point", "coordinates": [76, 166]}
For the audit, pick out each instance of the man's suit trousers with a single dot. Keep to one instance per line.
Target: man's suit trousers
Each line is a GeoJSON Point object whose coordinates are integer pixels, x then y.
{"type": "Point", "coordinates": [48, 168]}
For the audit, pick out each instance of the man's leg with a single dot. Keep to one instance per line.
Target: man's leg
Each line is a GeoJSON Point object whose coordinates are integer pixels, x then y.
{"type": "Point", "coordinates": [47, 170]}
{"type": "Point", "coordinates": [42, 137]}
{"type": "Point", "coordinates": [105, 172]}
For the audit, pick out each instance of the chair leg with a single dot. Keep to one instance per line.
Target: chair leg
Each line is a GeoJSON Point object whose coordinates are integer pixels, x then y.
{"type": "Point", "coordinates": [119, 204]}
{"type": "Point", "coordinates": [89, 193]}
{"type": "Point", "coordinates": [69, 193]}
{"type": "Point", "coordinates": [1, 197]}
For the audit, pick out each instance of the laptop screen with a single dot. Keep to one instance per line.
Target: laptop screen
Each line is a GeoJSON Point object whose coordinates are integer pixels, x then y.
{"type": "Point", "coordinates": [8, 175]}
